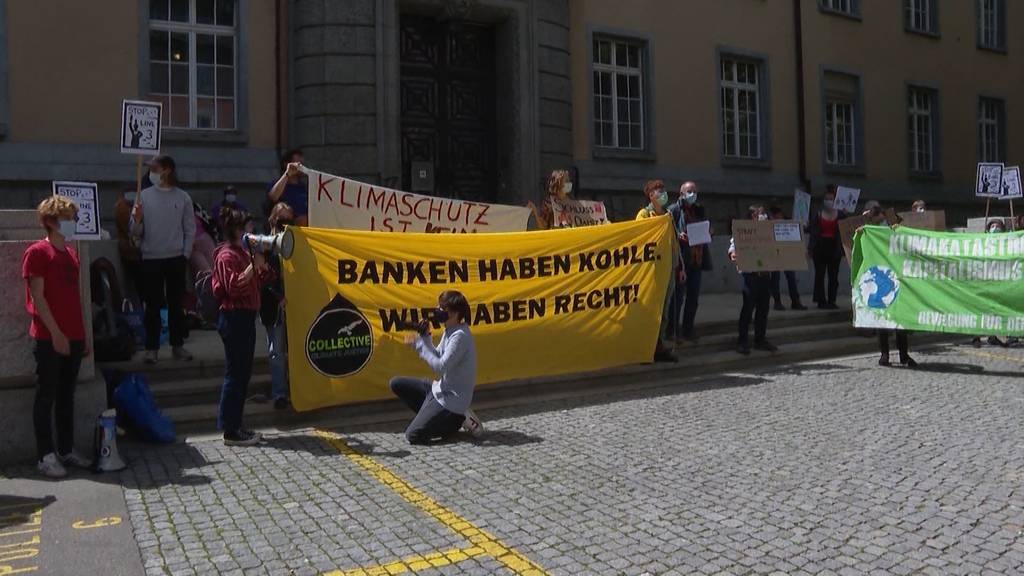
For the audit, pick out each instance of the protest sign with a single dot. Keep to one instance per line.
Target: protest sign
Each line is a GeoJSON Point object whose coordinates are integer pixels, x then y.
{"type": "Point", "coordinates": [909, 279]}
{"type": "Point", "coordinates": [337, 202]}
{"type": "Point", "coordinates": [84, 195]}
{"type": "Point", "coordinates": [934, 220]}
{"type": "Point", "coordinates": [846, 199]}
{"type": "Point", "coordinates": [989, 180]}
{"type": "Point", "coordinates": [563, 300]}
{"type": "Point", "coordinates": [769, 245]}
{"type": "Point", "coordinates": [801, 206]}
{"type": "Point", "coordinates": [1011, 183]}
{"type": "Point", "coordinates": [980, 225]}
{"type": "Point", "coordinates": [571, 213]}
{"type": "Point", "coordinates": [140, 127]}
{"type": "Point", "coordinates": [698, 233]}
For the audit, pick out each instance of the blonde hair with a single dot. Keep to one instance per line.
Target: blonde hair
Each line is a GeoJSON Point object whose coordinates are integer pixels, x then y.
{"type": "Point", "coordinates": [276, 211]}
{"type": "Point", "coordinates": [556, 180]}
{"type": "Point", "coordinates": [54, 208]}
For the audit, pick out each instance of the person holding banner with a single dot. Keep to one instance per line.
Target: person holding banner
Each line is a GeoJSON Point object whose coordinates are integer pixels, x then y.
{"type": "Point", "coordinates": [658, 205]}
{"type": "Point", "coordinates": [291, 187]}
{"type": "Point", "coordinates": [442, 406]}
{"type": "Point", "coordinates": [826, 249]}
{"type": "Point", "coordinates": [756, 299]}
{"type": "Point", "coordinates": [559, 188]}
{"type": "Point", "coordinates": [696, 261]}
{"type": "Point", "coordinates": [166, 239]}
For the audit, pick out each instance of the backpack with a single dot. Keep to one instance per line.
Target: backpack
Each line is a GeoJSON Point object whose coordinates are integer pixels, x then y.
{"type": "Point", "coordinates": [113, 338]}
{"type": "Point", "coordinates": [206, 303]}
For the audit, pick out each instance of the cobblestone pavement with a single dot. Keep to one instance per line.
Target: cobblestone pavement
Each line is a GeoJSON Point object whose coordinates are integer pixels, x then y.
{"type": "Point", "coordinates": [835, 467]}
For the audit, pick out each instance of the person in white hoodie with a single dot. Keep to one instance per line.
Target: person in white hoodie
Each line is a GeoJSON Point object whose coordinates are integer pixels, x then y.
{"type": "Point", "coordinates": [166, 238]}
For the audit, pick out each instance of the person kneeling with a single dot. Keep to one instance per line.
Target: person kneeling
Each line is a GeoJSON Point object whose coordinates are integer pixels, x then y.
{"type": "Point", "coordinates": [442, 406]}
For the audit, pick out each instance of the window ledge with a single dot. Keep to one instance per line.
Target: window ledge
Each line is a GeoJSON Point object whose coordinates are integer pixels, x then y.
{"type": "Point", "coordinates": [624, 154]}
{"type": "Point", "coordinates": [855, 170]}
{"type": "Point", "coordinates": [926, 176]}
{"type": "Point", "coordinates": [826, 10]}
{"type": "Point", "coordinates": [227, 137]}
{"type": "Point", "coordinates": [924, 33]}
{"type": "Point", "coordinates": [993, 49]}
{"type": "Point", "coordinates": [758, 164]}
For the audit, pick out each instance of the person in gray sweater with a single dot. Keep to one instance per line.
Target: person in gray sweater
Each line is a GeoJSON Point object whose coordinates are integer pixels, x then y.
{"type": "Point", "coordinates": [442, 406]}
{"type": "Point", "coordinates": [166, 238]}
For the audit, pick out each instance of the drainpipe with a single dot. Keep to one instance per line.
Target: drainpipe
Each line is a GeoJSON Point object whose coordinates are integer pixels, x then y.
{"type": "Point", "coordinates": [801, 120]}
{"type": "Point", "coordinates": [277, 76]}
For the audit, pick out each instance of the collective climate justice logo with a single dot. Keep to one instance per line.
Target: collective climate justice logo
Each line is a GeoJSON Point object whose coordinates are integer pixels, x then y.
{"type": "Point", "coordinates": [877, 289]}
{"type": "Point", "coordinates": [340, 341]}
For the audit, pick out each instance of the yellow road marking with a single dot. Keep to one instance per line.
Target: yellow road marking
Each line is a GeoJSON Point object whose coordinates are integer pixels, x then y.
{"type": "Point", "coordinates": [995, 356]}
{"type": "Point", "coordinates": [490, 546]}
{"type": "Point", "coordinates": [415, 563]}
{"type": "Point", "coordinates": [34, 541]}
{"type": "Point", "coordinates": [101, 523]}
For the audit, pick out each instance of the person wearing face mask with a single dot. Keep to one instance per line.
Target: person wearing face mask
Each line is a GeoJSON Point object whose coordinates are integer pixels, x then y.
{"type": "Point", "coordinates": [756, 299]}
{"type": "Point", "coordinates": [559, 188]}
{"type": "Point", "coordinates": [272, 303]}
{"type": "Point", "coordinates": [290, 188]}
{"type": "Point", "coordinates": [696, 261]}
{"type": "Point", "coordinates": [131, 256]}
{"type": "Point", "coordinates": [166, 238]}
{"type": "Point", "coordinates": [919, 206]}
{"type": "Point", "coordinates": [442, 406]}
{"type": "Point", "coordinates": [826, 249]}
{"type": "Point", "coordinates": [658, 205]}
{"type": "Point", "coordinates": [50, 268]}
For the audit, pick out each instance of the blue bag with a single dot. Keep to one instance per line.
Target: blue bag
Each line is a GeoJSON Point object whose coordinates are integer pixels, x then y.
{"type": "Point", "coordinates": [134, 400]}
{"type": "Point", "coordinates": [133, 317]}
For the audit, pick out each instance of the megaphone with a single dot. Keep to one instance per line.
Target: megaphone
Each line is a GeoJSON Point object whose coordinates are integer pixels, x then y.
{"type": "Point", "coordinates": [281, 244]}
{"type": "Point", "coordinates": [106, 457]}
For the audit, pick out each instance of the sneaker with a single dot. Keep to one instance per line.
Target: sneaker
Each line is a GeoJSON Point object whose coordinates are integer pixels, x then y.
{"type": "Point", "coordinates": [994, 341]}
{"type": "Point", "coordinates": [241, 438]}
{"type": "Point", "coordinates": [179, 353]}
{"type": "Point", "coordinates": [281, 404]}
{"type": "Point", "coordinates": [149, 357]}
{"type": "Point", "coordinates": [884, 361]}
{"type": "Point", "coordinates": [765, 346]}
{"type": "Point", "coordinates": [665, 355]}
{"type": "Point", "coordinates": [976, 342]}
{"type": "Point", "coordinates": [798, 306]}
{"type": "Point", "coordinates": [743, 349]}
{"type": "Point", "coordinates": [74, 459]}
{"type": "Point", "coordinates": [50, 467]}
{"type": "Point", "coordinates": [779, 307]}
{"type": "Point", "coordinates": [908, 362]}
{"type": "Point", "coordinates": [472, 424]}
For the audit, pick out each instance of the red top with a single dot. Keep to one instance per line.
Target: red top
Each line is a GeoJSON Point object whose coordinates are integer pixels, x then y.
{"type": "Point", "coordinates": [59, 271]}
{"type": "Point", "coordinates": [829, 228]}
{"type": "Point", "coordinates": [229, 288]}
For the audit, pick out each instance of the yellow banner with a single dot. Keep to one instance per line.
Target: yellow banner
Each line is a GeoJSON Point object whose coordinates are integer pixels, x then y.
{"type": "Point", "coordinates": [542, 303]}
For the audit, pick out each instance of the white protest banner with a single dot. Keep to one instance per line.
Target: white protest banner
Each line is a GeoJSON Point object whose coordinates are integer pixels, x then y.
{"type": "Point", "coordinates": [140, 127]}
{"type": "Point", "coordinates": [988, 183]}
{"type": "Point", "coordinates": [1011, 183]}
{"type": "Point", "coordinates": [787, 232]}
{"type": "Point", "coordinates": [573, 213]}
{"type": "Point", "coordinates": [84, 195]}
{"type": "Point", "coordinates": [846, 199]}
{"type": "Point", "coordinates": [337, 202]}
{"type": "Point", "coordinates": [698, 233]}
{"type": "Point", "coordinates": [801, 206]}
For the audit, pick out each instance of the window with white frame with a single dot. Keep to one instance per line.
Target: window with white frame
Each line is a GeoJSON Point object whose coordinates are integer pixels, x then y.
{"type": "Point", "coordinates": [848, 7]}
{"type": "Point", "coordinates": [741, 108]}
{"type": "Point", "coordinates": [991, 15]}
{"type": "Point", "coordinates": [921, 123]}
{"type": "Point", "coordinates": [839, 134]}
{"type": "Point", "coordinates": [618, 70]}
{"type": "Point", "coordinates": [990, 130]}
{"type": "Point", "coordinates": [193, 62]}
{"type": "Point", "coordinates": [921, 16]}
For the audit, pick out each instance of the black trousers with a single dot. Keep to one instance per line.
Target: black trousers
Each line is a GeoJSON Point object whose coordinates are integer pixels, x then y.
{"type": "Point", "coordinates": [902, 342]}
{"type": "Point", "coordinates": [432, 420]}
{"type": "Point", "coordinates": [757, 293]}
{"type": "Point", "coordinates": [826, 263]}
{"type": "Point", "coordinates": [164, 277]}
{"type": "Point", "coordinates": [54, 405]}
{"type": "Point", "coordinates": [794, 290]}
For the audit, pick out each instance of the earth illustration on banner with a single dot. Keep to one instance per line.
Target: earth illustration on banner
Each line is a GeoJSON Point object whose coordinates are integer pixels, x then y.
{"type": "Point", "coordinates": [877, 289]}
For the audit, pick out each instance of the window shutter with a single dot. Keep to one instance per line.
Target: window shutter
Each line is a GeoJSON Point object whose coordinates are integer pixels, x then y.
{"type": "Point", "coordinates": [1001, 40]}
{"type": "Point", "coordinates": [933, 15]}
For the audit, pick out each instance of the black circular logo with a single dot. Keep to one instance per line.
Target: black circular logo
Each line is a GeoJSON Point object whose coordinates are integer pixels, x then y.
{"type": "Point", "coordinates": [340, 341]}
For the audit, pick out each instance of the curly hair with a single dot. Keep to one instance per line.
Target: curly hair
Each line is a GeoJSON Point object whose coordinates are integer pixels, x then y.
{"type": "Point", "coordinates": [53, 208]}
{"type": "Point", "coordinates": [556, 180]}
{"type": "Point", "coordinates": [234, 222]}
{"type": "Point", "coordinates": [652, 185]}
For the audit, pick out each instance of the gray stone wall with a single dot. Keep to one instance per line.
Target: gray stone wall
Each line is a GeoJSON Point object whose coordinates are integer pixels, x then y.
{"type": "Point", "coordinates": [554, 89]}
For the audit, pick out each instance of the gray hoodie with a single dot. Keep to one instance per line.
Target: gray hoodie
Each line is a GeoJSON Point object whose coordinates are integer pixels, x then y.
{"type": "Point", "coordinates": [168, 227]}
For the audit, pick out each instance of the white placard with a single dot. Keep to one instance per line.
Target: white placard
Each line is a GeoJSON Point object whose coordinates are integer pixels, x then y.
{"type": "Point", "coordinates": [989, 181]}
{"type": "Point", "coordinates": [787, 232]}
{"type": "Point", "coordinates": [140, 127]}
{"type": "Point", "coordinates": [846, 199]}
{"type": "Point", "coordinates": [698, 233]}
{"type": "Point", "coordinates": [84, 195]}
{"type": "Point", "coordinates": [801, 206]}
{"type": "Point", "coordinates": [1011, 183]}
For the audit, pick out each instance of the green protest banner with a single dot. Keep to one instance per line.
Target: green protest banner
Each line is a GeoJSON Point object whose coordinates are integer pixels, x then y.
{"type": "Point", "coordinates": [911, 279]}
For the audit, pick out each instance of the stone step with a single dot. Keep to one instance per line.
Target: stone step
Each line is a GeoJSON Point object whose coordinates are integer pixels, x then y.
{"type": "Point", "coordinates": [170, 394]}
{"type": "Point", "coordinates": [777, 335]}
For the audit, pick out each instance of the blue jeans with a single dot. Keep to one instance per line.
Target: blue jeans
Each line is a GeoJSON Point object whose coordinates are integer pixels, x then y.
{"type": "Point", "coordinates": [237, 330]}
{"type": "Point", "coordinates": [277, 349]}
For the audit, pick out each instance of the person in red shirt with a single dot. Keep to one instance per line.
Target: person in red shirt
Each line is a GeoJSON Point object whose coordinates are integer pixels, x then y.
{"type": "Point", "coordinates": [50, 270]}
{"type": "Point", "coordinates": [237, 273]}
{"type": "Point", "coordinates": [826, 249]}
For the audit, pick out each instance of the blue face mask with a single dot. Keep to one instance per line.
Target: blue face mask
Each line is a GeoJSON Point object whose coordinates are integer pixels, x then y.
{"type": "Point", "coordinates": [67, 228]}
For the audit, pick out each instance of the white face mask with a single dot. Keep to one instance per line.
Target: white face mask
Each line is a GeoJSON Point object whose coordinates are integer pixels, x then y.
{"type": "Point", "coordinates": [661, 197]}
{"type": "Point", "coordinates": [762, 216]}
{"type": "Point", "coordinates": [567, 188]}
{"type": "Point", "coordinates": [830, 204]}
{"type": "Point", "coordinates": [690, 198]}
{"type": "Point", "coordinates": [230, 198]}
{"type": "Point", "coordinates": [993, 229]}
{"type": "Point", "coordinates": [919, 210]}
{"type": "Point", "coordinates": [154, 178]}
{"type": "Point", "coordinates": [129, 197]}
{"type": "Point", "coordinates": [67, 228]}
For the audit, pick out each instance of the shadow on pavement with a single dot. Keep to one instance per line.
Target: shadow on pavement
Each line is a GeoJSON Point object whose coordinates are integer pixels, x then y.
{"type": "Point", "coordinates": [821, 369]}
{"type": "Point", "coordinates": [18, 510]}
{"type": "Point", "coordinates": [966, 369]}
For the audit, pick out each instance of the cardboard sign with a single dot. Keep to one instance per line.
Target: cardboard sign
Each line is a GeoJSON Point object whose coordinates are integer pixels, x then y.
{"type": "Point", "coordinates": [759, 250]}
{"type": "Point", "coordinates": [573, 213]}
{"type": "Point", "coordinates": [698, 233]}
{"type": "Point", "coordinates": [1011, 183]}
{"type": "Point", "coordinates": [980, 225]}
{"type": "Point", "coordinates": [989, 181]}
{"type": "Point", "coordinates": [846, 199]}
{"type": "Point", "coordinates": [801, 206]}
{"type": "Point", "coordinates": [847, 228]}
{"type": "Point", "coordinates": [84, 195]}
{"type": "Point", "coordinates": [934, 220]}
{"type": "Point", "coordinates": [140, 127]}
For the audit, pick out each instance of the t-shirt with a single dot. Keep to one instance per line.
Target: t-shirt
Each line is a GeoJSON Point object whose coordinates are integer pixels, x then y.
{"type": "Point", "coordinates": [295, 196]}
{"type": "Point", "coordinates": [829, 227]}
{"type": "Point", "coordinates": [59, 271]}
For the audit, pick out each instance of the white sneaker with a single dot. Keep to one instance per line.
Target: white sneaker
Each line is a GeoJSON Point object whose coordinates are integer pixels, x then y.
{"type": "Point", "coordinates": [472, 424]}
{"type": "Point", "coordinates": [180, 353]}
{"type": "Point", "coordinates": [50, 467]}
{"type": "Point", "coordinates": [149, 357]}
{"type": "Point", "coordinates": [74, 459]}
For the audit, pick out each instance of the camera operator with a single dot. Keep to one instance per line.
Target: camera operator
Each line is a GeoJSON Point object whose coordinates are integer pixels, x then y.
{"type": "Point", "coordinates": [442, 406]}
